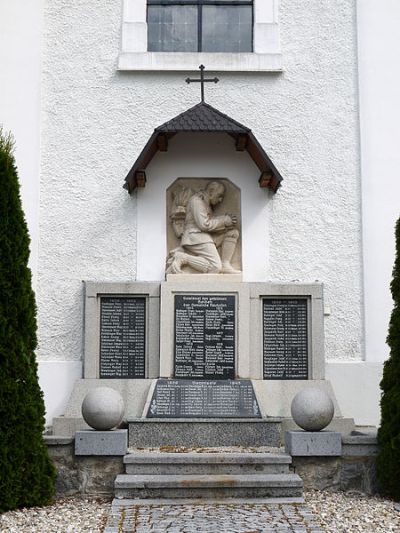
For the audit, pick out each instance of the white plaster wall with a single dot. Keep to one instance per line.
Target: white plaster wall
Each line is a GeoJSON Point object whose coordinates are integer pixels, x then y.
{"type": "Point", "coordinates": [97, 120]}
{"type": "Point", "coordinates": [207, 156]}
{"type": "Point", "coordinates": [356, 386]}
{"type": "Point", "coordinates": [379, 79]}
{"type": "Point", "coordinates": [316, 221]}
{"type": "Point", "coordinates": [20, 65]}
{"type": "Point", "coordinates": [56, 380]}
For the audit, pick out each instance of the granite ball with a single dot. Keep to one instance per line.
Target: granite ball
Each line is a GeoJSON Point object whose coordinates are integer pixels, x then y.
{"type": "Point", "coordinates": [312, 409]}
{"type": "Point", "coordinates": [103, 408]}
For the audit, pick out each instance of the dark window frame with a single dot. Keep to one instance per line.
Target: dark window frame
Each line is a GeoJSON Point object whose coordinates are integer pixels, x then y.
{"type": "Point", "coordinates": [199, 4]}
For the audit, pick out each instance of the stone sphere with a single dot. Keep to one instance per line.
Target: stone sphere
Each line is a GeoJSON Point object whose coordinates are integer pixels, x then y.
{"type": "Point", "coordinates": [312, 409]}
{"type": "Point", "coordinates": [103, 408]}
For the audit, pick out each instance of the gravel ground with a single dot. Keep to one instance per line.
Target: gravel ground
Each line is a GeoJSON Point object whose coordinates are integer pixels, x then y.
{"type": "Point", "coordinates": [336, 512]}
{"type": "Point", "coordinates": [342, 512]}
{"type": "Point", "coordinates": [70, 515]}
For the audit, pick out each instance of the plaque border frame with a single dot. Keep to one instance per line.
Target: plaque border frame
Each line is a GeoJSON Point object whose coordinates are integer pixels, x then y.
{"type": "Point", "coordinates": [314, 293]}
{"type": "Point", "coordinates": [200, 284]}
{"type": "Point", "coordinates": [93, 293]}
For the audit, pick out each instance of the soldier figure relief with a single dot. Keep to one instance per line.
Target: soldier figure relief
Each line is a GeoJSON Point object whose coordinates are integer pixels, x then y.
{"type": "Point", "coordinates": [207, 241]}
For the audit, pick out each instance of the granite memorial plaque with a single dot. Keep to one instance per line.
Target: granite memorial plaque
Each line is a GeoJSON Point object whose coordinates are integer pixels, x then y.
{"type": "Point", "coordinates": [122, 337]}
{"type": "Point", "coordinates": [203, 399]}
{"type": "Point", "coordinates": [285, 338]}
{"type": "Point", "coordinates": [205, 336]}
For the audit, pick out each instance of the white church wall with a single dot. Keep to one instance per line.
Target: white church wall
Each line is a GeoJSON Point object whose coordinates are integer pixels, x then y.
{"type": "Point", "coordinates": [21, 33]}
{"type": "Point", "coordinates": [56, 380]}
{"type": "Point", "coordinates": [97, 120]}
{"type": "Point", "coordinates": [379, 80]}
{"type": "Point", "coordinates": [356, 385]}
{"type": "Point", "coordinates": [20, 67]}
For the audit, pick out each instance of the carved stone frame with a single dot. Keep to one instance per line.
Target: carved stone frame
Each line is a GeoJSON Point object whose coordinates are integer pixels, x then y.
{"type": "Point", "coordinates": [93, 294]}
{"type": "Point", "coordinates": [314, 293]}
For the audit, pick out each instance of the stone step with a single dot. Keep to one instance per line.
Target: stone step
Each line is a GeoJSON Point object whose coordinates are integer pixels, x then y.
{"type": "Point", "coordinates": [206, 432]}
{"type": "Point", "coordinates": [208, 486]}
{"type": "Point", "coordinates": [162, 463]}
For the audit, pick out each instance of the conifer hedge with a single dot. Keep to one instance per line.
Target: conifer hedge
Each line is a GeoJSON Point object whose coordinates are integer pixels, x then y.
{"type": "Point", "coordinates": [388, 461]}
{"type": "Point", "coordinates": [26, 472]}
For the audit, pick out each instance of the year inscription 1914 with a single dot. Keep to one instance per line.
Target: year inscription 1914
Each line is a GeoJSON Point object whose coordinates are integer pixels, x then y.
{"type": "Point", "coordinates": [285, 338]}
{"type": "Point", "coordinates": [205, 336]}
{"type": "Point", "coordinates": [122, 337]}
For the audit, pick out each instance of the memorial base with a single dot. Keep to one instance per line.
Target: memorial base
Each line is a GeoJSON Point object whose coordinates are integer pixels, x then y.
{"type": "Point", "coordinates": [273, 398]}
{"type": "Point", "coordinates": [155, 433]}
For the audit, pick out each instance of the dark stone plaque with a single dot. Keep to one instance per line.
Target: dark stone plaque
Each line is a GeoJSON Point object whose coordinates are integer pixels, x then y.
{"type": "Point", "coordinates": [205, 336]}
{"type": "Point", "coordinates": [122, 337]}
{"type": "Point", "coordinates": [173, 398]}
{"type": "Point", "coordinates": [285, 338]}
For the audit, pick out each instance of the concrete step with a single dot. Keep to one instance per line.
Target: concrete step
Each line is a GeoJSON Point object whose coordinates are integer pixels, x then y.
{"type": "Point", "coordinates": [208, 486]}
{"type": "Point", "coordinates": [205, 432]}
{"type": "Point", "coordinates": [164, 463]}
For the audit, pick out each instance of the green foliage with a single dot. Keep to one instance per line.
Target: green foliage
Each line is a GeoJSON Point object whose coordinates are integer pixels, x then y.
{"type": "Point", "coordinates": [26, 472]}
{"type": "Point", "coordinates": [388, 462]}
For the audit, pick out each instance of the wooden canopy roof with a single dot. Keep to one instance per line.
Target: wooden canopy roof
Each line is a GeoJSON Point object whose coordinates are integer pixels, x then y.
{"type": "Point", "coordinates": [205, 119]}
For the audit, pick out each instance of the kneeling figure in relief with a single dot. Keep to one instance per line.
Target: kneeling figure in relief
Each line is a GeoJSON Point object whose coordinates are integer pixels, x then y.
{"type": "Point", "coordinates": [202, 233]}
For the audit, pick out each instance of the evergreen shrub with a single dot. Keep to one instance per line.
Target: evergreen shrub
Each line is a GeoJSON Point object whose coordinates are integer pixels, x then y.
{"type": "Point", "coordinates": [388, 461]}
{"type": "Point", "coordinates": [26, 473]}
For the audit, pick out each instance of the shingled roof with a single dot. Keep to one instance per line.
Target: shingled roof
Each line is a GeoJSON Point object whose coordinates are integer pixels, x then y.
{"type": "Point", "coordinates": [204, 118]}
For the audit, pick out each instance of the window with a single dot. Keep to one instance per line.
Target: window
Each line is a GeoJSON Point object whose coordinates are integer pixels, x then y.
{"type": "Point", "coordinates": [200, 26]}
{"type": "Point", "coordinates": [179, 35]}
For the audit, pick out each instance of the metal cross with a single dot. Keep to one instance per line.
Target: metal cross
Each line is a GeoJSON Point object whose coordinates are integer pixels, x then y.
{"type": "Point", "coordinates": [202, 80]}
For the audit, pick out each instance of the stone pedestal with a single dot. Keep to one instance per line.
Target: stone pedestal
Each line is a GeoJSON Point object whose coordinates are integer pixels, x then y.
{"type": "Point", "coordinates": [313, 443]}
{"type": "Point", "coordinates": [92, 442]}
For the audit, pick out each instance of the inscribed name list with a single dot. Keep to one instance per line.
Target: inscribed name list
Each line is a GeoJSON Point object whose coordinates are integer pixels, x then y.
{"type": "Point", "coordinates": [122, 337]}
{"type": "Point", "coordinates": [205, 336]}
{"type": "Point", "coordinates": [285, 338]}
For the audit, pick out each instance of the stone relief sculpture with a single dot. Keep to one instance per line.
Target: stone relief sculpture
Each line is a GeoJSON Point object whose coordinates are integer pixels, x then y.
{"type": "Point", "coordinates": [207, 240]}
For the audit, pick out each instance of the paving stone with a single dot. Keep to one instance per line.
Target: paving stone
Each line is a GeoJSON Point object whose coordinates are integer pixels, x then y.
{"type": "Point", "coordinates": [240, 517]}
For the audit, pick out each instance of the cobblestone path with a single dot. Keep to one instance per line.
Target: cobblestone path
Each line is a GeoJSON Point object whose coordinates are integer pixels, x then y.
{"type": "Point", "coordinates": [245, 517]}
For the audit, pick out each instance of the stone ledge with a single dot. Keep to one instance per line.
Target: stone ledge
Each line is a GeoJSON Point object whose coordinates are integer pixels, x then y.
{"type": "Point", "coordinates": [360, 445]}
{"type": "Point", "coordinates": [272, 420]}
{"type": "Point", "coordinates": [187, 61]}
{"type": "Point", "coordinates": [57, 440]}
{"type": "Point", "coordinates": [211, 458]}
{"type": "Point", "coordinates": [360, 439]}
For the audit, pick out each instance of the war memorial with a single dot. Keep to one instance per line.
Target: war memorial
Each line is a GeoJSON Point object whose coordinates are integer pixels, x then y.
{"type": "Point", "coordinates": [205, 373]}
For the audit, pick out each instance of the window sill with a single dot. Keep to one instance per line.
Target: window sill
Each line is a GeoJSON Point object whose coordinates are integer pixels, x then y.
{"type": "Point", "coordinates": [153, 61]}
